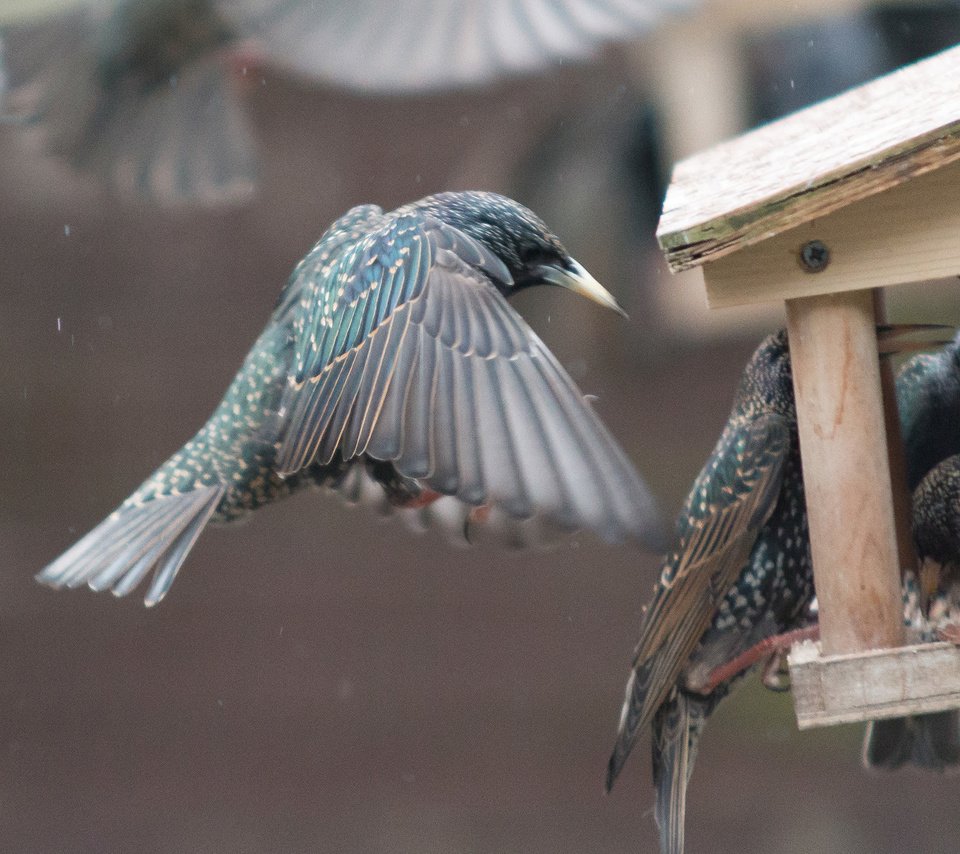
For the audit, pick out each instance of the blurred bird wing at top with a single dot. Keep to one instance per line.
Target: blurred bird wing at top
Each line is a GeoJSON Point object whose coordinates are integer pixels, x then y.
{"type": "Point", "coordinates": [417, 45]}
{"type": "Point", "coordinates": [408, 353]}
{"type": "Point", "coordinates": [742, 493]}
{"type": "Point", "coordinates": [137, 93]}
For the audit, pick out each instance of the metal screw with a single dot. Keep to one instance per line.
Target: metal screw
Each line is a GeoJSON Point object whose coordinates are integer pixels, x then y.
{"type": "Point", "coordinates": [814, 256]}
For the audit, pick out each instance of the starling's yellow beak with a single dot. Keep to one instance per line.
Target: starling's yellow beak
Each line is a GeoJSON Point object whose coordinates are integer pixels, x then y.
{"type": "Point", "coordinates": [577, 279]}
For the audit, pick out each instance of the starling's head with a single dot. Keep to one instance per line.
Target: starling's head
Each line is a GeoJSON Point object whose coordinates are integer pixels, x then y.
{"type": "Point", "coordinates": [519, 238]}
{"type": "Point", "coordinates": [767, 382]}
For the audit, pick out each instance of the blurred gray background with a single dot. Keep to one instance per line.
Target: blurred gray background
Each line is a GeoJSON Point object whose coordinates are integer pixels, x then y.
{"type": "Point", "coordinates": [320, 679]}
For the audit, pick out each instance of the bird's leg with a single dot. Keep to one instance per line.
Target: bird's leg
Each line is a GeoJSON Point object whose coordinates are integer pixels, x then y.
{"type": "Point", "coordinates": [477, 516]}
{"type": "Point", "coordinates": [424, 498]}
{"type": "Point", "coordinates": [949, 633]}
{"type": "Point", "coordinates": [775, 674]}
{"type": "Point", "coordinates": [773, 646]}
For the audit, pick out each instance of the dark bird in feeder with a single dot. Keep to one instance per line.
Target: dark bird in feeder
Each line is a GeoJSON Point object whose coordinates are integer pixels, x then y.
{"type": "Point", "coordinates": [928, 399]}
{"type": "Point", "coordinates": [392, 357]}
{"type": "Point", "coordinates": [740, 573]}
{"type": "Point", "coordinates": [146, 94]}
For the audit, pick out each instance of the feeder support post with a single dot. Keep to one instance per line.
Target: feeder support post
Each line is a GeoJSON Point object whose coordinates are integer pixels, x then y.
{"type": "Point", "coordinates": [846, 471]}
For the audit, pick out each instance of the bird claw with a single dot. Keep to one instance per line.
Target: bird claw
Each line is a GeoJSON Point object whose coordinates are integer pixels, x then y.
{"type": "Point", "coordinates": [776, 674]}
{"type": "Point", "coordinates": [476, 516]}
{"type": "Point", "coordinates": [949, 633]}
{"type": "Point", "coordinates": [778, 645]}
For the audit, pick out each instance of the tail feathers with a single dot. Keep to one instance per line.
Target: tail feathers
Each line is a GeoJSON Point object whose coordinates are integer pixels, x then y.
{"type": "Point", "coordinates": [676, 735]}
{"type": "Point", "coordinates": [928, 741]}
{"type": "Point", "coordinates": [117, 554]}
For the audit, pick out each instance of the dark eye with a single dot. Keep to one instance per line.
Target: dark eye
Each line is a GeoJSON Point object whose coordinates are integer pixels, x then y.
{"type": "Point", "coordinates": [535, 256]}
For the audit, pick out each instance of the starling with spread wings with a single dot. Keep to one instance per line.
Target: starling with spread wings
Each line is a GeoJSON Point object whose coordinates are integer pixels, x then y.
{"type": "Point", "coordinates": [392, 358]}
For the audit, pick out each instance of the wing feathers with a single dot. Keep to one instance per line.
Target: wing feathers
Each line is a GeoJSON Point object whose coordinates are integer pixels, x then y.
{"type": "Point", "coordinates": [710, 556]}
{"type": "Point", "coordinates": [438, 375]}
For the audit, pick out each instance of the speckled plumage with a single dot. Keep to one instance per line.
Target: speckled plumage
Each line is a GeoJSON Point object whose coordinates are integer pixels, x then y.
{"type": "Point", "coordinates": [928, 399]}
{"type": "Point", "coordinates": [392, 356]}
{"type": "Point", "coordinates": [740, 572]}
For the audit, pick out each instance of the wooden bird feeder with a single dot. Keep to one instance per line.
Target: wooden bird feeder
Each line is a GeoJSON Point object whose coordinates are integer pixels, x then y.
{"type": "Point", "coordinates": [821, 209]}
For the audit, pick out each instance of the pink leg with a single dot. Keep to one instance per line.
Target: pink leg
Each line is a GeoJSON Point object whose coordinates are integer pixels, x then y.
{"type": "Point", "coordinates": [425, 498]}
{"type": "Point", "coordinates": [950, 633]}
{"type": "Point", "coordinates": [774, 645]}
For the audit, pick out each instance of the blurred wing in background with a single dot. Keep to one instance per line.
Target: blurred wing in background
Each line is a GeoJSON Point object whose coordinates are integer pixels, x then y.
{"type": "Point", "coordinates": [138, 93]}
{"type": "Point", "coordinates": [422, 45]}
{"type": "Point", "coordinates": [141, 93]}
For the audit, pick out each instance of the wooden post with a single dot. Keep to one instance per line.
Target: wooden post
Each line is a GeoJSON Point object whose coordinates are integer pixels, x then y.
{"type": "Point", "coordinates": [836, 375]}
{"type": "Point", "coordinates": [822, 208]}
{"type": "Point", "coordinates": [902, 504]}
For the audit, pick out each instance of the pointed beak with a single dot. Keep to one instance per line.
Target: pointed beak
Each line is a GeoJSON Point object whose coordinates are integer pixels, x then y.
{"type": "Point", "coordinates": [577, 279]}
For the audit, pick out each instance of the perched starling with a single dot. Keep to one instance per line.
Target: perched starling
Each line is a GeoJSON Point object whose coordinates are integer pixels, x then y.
{"type": "Point", "coordinates": [141, 94]}
{"type": "Point", "coordinates": [740, 573]}
{"type": "Point", "coordinates": [392, 355]}
{"type": "Point", "coordinates": [928, 398]}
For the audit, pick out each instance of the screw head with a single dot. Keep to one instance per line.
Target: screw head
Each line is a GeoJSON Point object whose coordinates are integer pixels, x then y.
{"type": "Point", "coordinates": [814, 256]}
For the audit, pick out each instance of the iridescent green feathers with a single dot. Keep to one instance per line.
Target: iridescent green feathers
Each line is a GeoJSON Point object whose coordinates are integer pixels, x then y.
{"type": "Point", "coordinates": [392, 347]}
{"type": "Point", "coordinates": [407, 351]}
{"type": "Point", "coordinates": [729, 503]}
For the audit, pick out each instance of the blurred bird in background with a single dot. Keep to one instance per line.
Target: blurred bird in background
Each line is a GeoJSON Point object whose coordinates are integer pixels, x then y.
{"type": "Point", "coordinates": [391, 358]}
{"type": "Point", "coordinates": [740, 572]}
{"type": "Point", "coordinates": [144, 93]}
{"type": "Point", "coordinates": [928, 398]}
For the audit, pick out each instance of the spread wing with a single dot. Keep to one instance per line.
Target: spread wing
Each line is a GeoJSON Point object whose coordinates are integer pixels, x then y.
{"type": "Point", "coordinates": [739, 490]}
{"type": "Point", "coordinates": [407, 352]}
{"type": "Point", "coordinates": [380, 45]}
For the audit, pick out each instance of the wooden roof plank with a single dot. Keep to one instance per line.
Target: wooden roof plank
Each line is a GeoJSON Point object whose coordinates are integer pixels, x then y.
{"type": "Point", "coordinates": [813, 162]}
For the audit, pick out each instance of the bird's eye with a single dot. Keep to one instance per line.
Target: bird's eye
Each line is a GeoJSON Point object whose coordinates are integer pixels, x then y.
{"type": "Point", "coordinates": [534, 256]}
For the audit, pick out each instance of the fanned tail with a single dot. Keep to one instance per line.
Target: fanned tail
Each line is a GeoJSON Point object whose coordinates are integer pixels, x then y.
{"type": "Point", "coordinates": [117, 554]}
{"type": "Point", "coordinates": [931, 742]}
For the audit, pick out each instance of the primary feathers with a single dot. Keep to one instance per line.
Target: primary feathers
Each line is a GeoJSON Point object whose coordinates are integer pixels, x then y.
{"type": "Point", "coordinates": [392, 356]}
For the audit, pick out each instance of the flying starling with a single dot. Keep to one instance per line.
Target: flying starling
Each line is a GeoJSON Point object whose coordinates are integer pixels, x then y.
{"type": "Point", "coordinates": [740, 572]}
{"type": "Point", "coordinates": [928, 399]}
{"type": "Point", "coordinates": [391, 356]}
{"type": "Point", "coordinates": [145, 94]}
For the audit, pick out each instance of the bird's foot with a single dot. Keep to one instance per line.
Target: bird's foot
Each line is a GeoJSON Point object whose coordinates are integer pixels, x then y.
{"type": "Point", "coordinates": [477, 516]}
{"type": "Point", "coordinates": [424, 498]}
{"type": "Point", "coordinates": [949, 633]}
{"type": "Point", "coordinates": [774, 646]}
{"type": "Point", "coordinates": [776, 674]}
